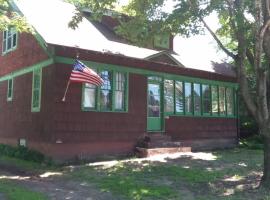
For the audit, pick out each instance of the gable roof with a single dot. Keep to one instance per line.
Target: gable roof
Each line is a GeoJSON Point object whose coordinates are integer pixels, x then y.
{"type": "Point", "coordinates": [50, 19]}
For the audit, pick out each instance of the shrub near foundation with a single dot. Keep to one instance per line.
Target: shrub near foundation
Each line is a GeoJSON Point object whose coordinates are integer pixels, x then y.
{"type": "Point", "coordinates": [21, 153]}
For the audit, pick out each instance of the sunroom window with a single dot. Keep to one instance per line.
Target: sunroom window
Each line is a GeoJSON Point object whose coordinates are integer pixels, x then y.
{"type": "Point", "coordinates": [169, 96]}
{"type": "Point", "coordinates": [222, 101]}
{"type": "Point", "coordinates": [179, 97]}
{"type": "Point", "coordinates": [188, 98]}
{"type": "Point", "coordinates": [197, 98]}
{"type": "Point", "coordinates": [206, 99]}
{"type": "Point", "coordinates": [10, 37]}
{"type": "Point", "coordinates": [214, 90]}
{"type": "Point", "coordinates": [230, 101]}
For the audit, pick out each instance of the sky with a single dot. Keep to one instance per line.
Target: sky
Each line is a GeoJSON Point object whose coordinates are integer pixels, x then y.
{"type": "Point", "coordinates": [197, 51]}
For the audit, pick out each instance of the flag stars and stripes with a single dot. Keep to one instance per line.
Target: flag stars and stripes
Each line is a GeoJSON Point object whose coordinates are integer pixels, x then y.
{"type": "Point", "coordinates": [81, 73]}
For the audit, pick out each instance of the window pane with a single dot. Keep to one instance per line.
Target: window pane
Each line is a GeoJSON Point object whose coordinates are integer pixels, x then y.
{"type": "Point", "coordinates": [106, 76]}
{"type": "Point", "coordinates": [5, 35]}
{"type": "Point", "coordinates": [197, 98]}
{"type": "Point", "coordinates": [214, 100]}
{"type": "Point", "coordinates": [89, 100]}
{"type": "Point", "coordinates": [35, 98]}
{"type": "Point", "coordinates": [10, 86]}
{"type": "Point", "coordinates": [222, 106]}
{"type": "Point", "coordinates": [119, 100]}
{"type": "Point", "coordinates": [36, 88]}
{"type": "Point", "coordinates": [206, 98]}
{"type": "Point", "coordinates": [9, 43]}
{"type": "Point", "coordinates": [105, 100]}
{"type": "Point", "coordinates": [168, 96]}
{"type": "Point", "coordinates": [179, 104]}
{"type": "Point", "coordinates": [14, 40]}
{"type": "Point", "coordinates": [230, 101]}
{"type": "Point", "coordinates": [188, 98]}
{"type": "Point", "coordinates": [120, 79]}
{"type": "Point", "coordinates": [106, 91]}
{"type": "Point", "coordinates": [153, 100]}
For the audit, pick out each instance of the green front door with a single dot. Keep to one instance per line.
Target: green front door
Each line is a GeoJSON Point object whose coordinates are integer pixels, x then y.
{"type": "Point", "coordinates": [154, 108]}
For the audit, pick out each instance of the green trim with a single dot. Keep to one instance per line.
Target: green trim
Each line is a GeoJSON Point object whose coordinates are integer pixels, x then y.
{"type": "Point", "coordinates": [26, 70]}
{"type": "Point", "coordinates": [37, 108]}
{"type": "Point", "coordinates": [10, 90]}
{"type": "Point", "coordinates": [205, 116]}
{"type": "Point", "coordinates": [164, 75]}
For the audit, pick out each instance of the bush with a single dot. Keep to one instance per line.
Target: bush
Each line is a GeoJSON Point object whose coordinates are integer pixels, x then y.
{"type": "Point", "coordinates": [21, 153]}
{"type": "Point", "coordinates": [253, 142]}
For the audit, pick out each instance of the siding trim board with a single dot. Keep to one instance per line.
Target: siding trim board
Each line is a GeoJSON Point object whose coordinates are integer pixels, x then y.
{"type": "Point", "coordinates": [28, 69]}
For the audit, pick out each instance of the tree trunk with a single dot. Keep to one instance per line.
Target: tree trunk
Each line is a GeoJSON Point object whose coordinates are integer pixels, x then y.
{"type": "Point", "coordinates": [265, 182]}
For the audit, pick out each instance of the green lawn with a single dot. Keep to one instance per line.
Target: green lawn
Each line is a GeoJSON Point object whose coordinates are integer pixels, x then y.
{"type": "Point", "coordinates": [13, 191]}
{"type": "Point", "coordinates": [232, 174]}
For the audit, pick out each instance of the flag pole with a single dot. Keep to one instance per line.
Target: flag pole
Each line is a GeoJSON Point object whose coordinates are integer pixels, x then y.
{"type": "Point", "coordinates": [64, 97]}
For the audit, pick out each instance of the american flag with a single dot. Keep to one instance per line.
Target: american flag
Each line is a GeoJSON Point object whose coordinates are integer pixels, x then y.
{"type": "Point", "coordinates": [81, 73]}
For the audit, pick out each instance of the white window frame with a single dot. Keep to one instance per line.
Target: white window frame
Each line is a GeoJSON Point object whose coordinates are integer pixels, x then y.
{"type": "Point", "coordinates": [6, 35]}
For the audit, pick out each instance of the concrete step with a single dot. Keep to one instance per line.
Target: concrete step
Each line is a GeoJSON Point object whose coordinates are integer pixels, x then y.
{"type": "Point", "coordinates": [159, 137]}
{"type": "Point", "coordinates": [159, 144]}
{"type": "Point", "coordinates": [147, 152]}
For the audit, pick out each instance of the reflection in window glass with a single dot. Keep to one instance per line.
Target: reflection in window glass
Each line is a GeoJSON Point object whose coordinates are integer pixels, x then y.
{"type": "Point", "coordinates": [197, 98]}
{"type": "Point", "coordinates": [222, 105]}
{"type": "Point", "coordinates": [230, 101]}
{"type": "Point", "coordinates": [153, 100]}
{"type": "Point", "coordinates": [169, 96]}
{"type": "Point", "coordinates": [214, 99]}
{"type": "Point", "coordinates": [106, 91]}
{"type": "Point", "coordinates": [119, 91]}
{"type": "Point", "coordinates": [206, 99]}
{"type": "Point", "coordinates": [188, 98]}
{"type": "Point", "coordinates": [179, 98]}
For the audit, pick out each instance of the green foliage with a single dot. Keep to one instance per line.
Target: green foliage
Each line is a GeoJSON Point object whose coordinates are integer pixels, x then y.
{"type": "Point", "coordinates": [14, 192]}
{"type": "Point", "coordinates": [10, 18]}
{"type": "Point", "coordinates": [21, 153]}
{"type": "Point", "coordinates": [253, 142]}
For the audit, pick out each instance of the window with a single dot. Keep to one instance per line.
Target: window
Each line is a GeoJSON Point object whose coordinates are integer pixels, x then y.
{"type": "Point", "coordinates": [119, 91]}
{"type": "Point", "coordinates": [9, 40]}
{"type": "Point", "coordinates": [222, 101]}
{"type": "Point", "coordinates": [106, 91]}
{"type": "Point", "coordinates": [111, 96]}
{"type": "Point", "coordinates": [230, 101]}
{"type": "Point", "coordinates": [89, 96]}
{"type": "Point", "coordinates": [197, 98]}
{"type": "Point", "coordinates": [214, 90]}
{"type": "Point", "coordinates": [206, 99]}
{"type": "Point", "coordinates": [169, 96]}
{"type": "Point", "coordinates": [10, 90]}
{"type": "Point", "coordinates": [36, 90]}
{"type": "Point", "coordinates": [188, 98]}
{"type": "Point", "coordinates": [179, 97]}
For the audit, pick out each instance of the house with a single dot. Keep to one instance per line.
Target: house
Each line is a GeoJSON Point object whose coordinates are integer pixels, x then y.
{"type": "Point", "coordinates": [146, 92]}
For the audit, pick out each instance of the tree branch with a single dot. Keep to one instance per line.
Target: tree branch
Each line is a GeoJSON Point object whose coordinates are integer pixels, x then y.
{"type": "Point", "coordinates": [217, 39]}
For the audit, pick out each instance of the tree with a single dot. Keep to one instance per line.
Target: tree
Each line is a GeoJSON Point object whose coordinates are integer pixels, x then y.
{"type": "Point", "coordinates": [10, 18]}
{"type": "Point", "coordinates": [244, 36]}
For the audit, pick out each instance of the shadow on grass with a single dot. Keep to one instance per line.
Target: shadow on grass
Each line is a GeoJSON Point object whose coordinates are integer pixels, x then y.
{"type": "Point", "coordinates": [229, 174]}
